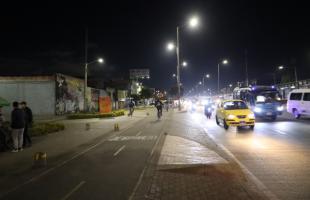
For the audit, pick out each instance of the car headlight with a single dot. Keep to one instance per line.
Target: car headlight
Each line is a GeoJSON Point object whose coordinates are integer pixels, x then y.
{"type": "Point", "coordinates": [280, 108]}
{"type": "Point", "coordinates": [257, 109]}
{"type": "Point", "coordinates": [231, 116]}
{"type": "Point", "coordinates": [251, 116]}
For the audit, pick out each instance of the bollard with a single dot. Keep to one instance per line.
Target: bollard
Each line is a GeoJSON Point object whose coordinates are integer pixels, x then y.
{"type": "Point", "coordinates": [147, 114]}
{"type": "Point", "coordinates": [116, 127]}
{"type": "Point", "coordinates": [39, 159]}
{"type": "Point", "coordinates": [87, 126]}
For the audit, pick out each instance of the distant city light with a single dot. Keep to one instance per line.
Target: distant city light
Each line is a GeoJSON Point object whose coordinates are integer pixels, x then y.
{"type": "Point", "coordinates": [225, 62]}
{"type": "Point", "coordinates": [208, 75]}
{"type": "Point", "coordinates": [281, 67]}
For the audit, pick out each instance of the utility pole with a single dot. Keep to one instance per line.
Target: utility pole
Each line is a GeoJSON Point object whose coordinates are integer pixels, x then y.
{"type": "Point", "coordinates": [86, 68]}
{"type": "Point", "coordinates": [246, 68]}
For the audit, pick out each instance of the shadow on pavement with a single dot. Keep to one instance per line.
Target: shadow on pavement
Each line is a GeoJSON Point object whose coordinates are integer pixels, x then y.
{"type": "Point", "coordinates": [225, 171]}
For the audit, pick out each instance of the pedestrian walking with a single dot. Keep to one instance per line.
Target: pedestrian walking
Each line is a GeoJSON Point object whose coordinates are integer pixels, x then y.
{"type": "Point", "coordinates": [131, 108]}
{"type": "Point", "coordinates": [17, 126]}
{"type": "Point", "coordinates": [28, 123]}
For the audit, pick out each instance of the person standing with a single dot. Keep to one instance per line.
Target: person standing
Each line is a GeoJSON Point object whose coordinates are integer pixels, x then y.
{"type": "Point", "coordinates": [28, 123]}
{"type": "Point", "coordinates": [2, 133]}
{"type": "Point", "coordinates": [17, 126]}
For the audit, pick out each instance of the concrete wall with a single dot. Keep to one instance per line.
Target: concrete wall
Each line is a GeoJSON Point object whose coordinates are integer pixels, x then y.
{"type": "Point", "coordinates": [39, 93]}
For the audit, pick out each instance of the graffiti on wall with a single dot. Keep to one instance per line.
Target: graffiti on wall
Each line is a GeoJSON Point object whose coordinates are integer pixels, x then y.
{"type": "Point", "coordinates": [69, 94]}
{"type": "Point", "coordinates": [105, 102]}
{"type": "Point", "coordinates": [94, 101]}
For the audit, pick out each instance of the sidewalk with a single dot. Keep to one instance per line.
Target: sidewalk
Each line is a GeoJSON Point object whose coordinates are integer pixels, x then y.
{"type": "Point", "coordinates": [189, 165]}
{"type": "Point", "coordinates": [17, 167]}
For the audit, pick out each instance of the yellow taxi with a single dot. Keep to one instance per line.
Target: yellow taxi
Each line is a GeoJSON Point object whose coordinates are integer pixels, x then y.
{"type": "Point", "coordinates": [234, 113]}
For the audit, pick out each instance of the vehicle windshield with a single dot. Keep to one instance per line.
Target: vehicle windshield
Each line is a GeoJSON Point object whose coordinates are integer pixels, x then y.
{"type": "Point", "coordinates": [267, 97]}
{"type": "Point", "coordinates": [234, 105]}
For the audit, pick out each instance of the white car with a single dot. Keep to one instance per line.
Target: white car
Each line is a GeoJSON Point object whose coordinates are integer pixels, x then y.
{"type": "Point", "coordinates": [298, 102]}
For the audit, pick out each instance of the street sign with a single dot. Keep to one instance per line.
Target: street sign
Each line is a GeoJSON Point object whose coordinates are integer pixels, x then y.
{"type": "Point", "coordinates": [139, 73]}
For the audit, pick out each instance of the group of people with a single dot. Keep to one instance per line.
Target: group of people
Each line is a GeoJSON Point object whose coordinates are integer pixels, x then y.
{"type": "Point", "coordinates": [158, 104]}
{"type": "Point", "coordinates": [21, 120]}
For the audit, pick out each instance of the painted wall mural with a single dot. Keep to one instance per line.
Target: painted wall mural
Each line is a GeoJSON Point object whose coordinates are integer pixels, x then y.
{"type": "Point", "coordinates": [69, 95]}
{"type": "Point", "coordinates": [105, 102]}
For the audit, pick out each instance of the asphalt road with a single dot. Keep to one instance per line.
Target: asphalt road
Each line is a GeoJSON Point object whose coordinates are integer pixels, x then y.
{"type": "Point", "coordinates": [108, 168]}
{"type": "Point", "coordinates": [276, 153]}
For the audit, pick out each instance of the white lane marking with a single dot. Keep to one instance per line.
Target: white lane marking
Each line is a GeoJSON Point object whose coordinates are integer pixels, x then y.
{"type": "Point", "coordinates": [59, 165]}
{"type": "Point", "coordinates": [139, 133]}
{"type": "Point", "coordinates": [126, 138]}
{"type": "Point", "coordinates": [73, 190]}
{"type": "Point", "coordinates": [256, 181]}
{"type": "Point", "coordinates": [281, 132]}
{"type": "Point", "coordinates": [145, 166]}
{"type": "Point", "coordinates": [119, 150]}
{"type": "Point", "coordinates": [137, 184]}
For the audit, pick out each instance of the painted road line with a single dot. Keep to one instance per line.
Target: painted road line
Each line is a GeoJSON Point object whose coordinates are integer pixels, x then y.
{"type": "Point", "coordinates": [139, 133]}
{"type": "Point", "coordinates": [119, 150]}
{"type": "Point", "coordinates": [73, 190]}
{"type": "Point", "coordinates": [79, 154]}
{"type": "Point", "coordinates": [281, 132]}
{"type": "Point", "coordinates": [127, 138]}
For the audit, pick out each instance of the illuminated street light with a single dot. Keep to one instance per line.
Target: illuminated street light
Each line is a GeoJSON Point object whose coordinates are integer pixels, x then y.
{"type": "Point", "coordinates": [193, 22]}
{"type": "Point", "coordinates": [184, 63]}
{"type": "Point", "coordinates": [170, 46]}
{"type": "Point", "coordinates": [224, 62]}
{"type": "Point", "coordinates": [99, 60]}
{"type": "Point", "coordinates": [295, 71]}
{"type": "Point", "coordinates": [203, 79]}
{"type": "Point", "coordinates": [230, 85]}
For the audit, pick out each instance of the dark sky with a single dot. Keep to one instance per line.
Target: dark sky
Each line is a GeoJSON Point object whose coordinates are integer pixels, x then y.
{"type": "Point", "coordinates": [133, 34]}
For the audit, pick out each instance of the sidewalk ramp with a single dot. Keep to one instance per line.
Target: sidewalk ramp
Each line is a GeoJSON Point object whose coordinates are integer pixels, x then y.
{"type": "Point", "coordinates": [180, 151]}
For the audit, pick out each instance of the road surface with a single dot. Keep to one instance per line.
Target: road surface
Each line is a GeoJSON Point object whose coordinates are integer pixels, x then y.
{"type": "Point", "coordinates": [276, 153]}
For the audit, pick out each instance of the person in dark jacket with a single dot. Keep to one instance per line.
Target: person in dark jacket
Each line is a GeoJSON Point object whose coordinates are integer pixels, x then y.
{"type": "Point", "coordinates": [17, 125]}
{"type": "Point", "coordinates": [2, 133]}
{"type": "Point", "coordinates": [28, 123]}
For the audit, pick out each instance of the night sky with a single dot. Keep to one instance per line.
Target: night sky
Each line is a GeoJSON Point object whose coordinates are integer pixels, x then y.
{"type": "Point", "coordinates": [133, 34]}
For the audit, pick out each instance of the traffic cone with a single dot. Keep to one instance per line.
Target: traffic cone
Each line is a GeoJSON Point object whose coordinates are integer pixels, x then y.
{"type": "Point", "coordinates": [116, 127]}
{"type": "Point", "coordinates": [87, 126]}
{"type": "Point", "coordinates": [39, 159]}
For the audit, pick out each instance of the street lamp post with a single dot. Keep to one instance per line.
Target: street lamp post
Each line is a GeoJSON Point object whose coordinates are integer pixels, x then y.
{"type": "Point", "coordinates": [203, 79]}
{"type": "Point", "coordinates": [178, 69]}
{"type": "Point", "coordinates": [295, 71]}
{"type": "Point", "coordinates": [224, 62]}
{"type": "Point", "coordinates": [100, 60]}
{"type": "Point", "coordinates": [193, 22]}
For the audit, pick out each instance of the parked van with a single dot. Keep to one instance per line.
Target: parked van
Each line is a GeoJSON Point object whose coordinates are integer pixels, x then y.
{"type": "Point", "coordinates": [298, 102]}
